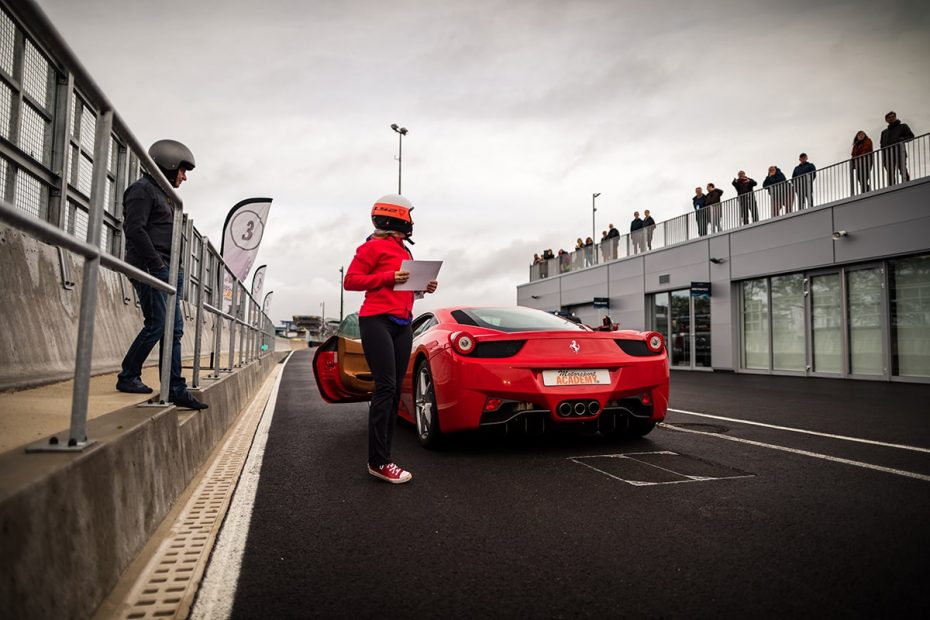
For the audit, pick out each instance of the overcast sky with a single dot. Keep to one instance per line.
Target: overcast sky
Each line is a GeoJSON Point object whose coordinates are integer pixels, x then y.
{"type": "Point", "coordinates": [517, 112]}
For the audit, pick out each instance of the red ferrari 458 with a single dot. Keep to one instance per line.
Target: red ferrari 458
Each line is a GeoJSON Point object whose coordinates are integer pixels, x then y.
{"type": "Point", "coordinates": [480, 367]}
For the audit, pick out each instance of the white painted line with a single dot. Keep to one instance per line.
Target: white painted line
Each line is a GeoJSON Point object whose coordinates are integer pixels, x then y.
{"type": "Point", "coordinates": [218, 588]}
{"type": "Point", "coordinates": [806, 432]}
{"type": "Point", "coordinates": [817, 455]}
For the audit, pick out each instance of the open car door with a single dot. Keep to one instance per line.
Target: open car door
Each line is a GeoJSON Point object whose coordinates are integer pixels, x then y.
{"type": "Point", "coordinates": [339, 367]}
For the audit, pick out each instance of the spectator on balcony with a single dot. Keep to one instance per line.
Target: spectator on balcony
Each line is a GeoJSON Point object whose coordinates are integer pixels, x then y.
{"type": "Point", "coordinates": [536, 259]}
{"type": "Point", "coordinates": [588, 251]}
{"type": "Point", "coordinates": [803, 179]}
{"type": "Point", "coordinates": [894, 155]}
{"type": "Point", "coordinates": [746, 197]}
{"type": "Point", "coordinates": [649, 227]}
{"type": "Point", "coordinates": [565, 261]}
{"type": "Point", "coordinates": [862, 160]}
{"type": "Point", "coordinates": [612, 236]}
{"type": "Point", "coordinates": [781, 195]}
{"type": "Point", "coordinates": [148, 223]}
{"type": "Point", "coordinates": [712, 202]}
{"type": "Point", "coordinates": [636, 233]}
{"type": "Point", "coordinates": [701, 216]}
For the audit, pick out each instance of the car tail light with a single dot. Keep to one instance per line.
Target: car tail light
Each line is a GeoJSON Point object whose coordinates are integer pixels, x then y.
{"type": "Point", "coordinates": [646, 398]}
{"type": "Point", "coordinates": [655, 342]}
{"type": "Point", "coordinates": [493, 404]}
{"type": "Point", "coordinates": [463, 342]}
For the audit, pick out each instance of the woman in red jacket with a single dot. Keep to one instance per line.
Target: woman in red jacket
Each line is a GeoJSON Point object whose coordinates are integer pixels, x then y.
{"type": "Point", "coordinates": [384, 321]}
{"type": "Point", "coordinates": [862, 160]}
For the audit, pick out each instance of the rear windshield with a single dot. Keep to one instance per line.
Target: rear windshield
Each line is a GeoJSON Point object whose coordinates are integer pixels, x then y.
{"type": "Point", "coordinates": [514, 320]}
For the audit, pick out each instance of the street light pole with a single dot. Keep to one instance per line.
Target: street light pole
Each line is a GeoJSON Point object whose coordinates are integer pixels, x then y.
{"type": "Point", "coordinates": [401, 132]}
{"type": "Point", "coordinates": [593, 211]}
{"type": "Point", "coordinates": [342, 277]}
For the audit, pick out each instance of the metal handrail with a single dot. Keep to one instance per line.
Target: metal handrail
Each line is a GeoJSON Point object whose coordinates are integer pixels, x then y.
{"type": "Point", "coordinates": [39, 28]}
{"type": "Point", "coordinates": [846, 179]}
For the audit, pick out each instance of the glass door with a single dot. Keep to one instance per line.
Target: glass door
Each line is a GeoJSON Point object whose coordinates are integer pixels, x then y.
{"type": "Point", "coordinates": [866, 318]}
{"type": "Point", "coordinates": [684, 321]}
{"type": "Point", "coordinates": [826, 321]}
{"type": "Point", "coordinates": [680, 320]}
{"type": "Point", "coordinates": [700, 307]}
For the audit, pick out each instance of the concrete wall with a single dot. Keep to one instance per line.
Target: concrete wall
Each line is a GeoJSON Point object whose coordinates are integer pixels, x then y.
{"type": "Point", "coordinates": [626, 309]}
{"type": "Point", "coordinates": [70, 524]}
{"type": "Point", "coordinates": [40, 317]}
{"type": "Point", "coordinates": [891, 222]}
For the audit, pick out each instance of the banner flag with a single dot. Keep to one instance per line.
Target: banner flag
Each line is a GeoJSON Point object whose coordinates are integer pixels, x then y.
{"type": "Point", "coordinates": [242, 234]}
{"type": "Point", "coordinates": [267, 305]}
{"type": "Point", "coordinates": [258, 282]}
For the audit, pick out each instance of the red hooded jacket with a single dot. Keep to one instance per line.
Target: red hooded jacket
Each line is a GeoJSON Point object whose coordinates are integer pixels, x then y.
{"type": "Point", "coordinates": [372, 270]}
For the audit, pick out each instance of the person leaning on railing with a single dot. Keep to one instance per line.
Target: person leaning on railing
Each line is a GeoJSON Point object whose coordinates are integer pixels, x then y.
{"type": "Point", "coordinates": [148, 222]}
{"type": "Point", "coordinates": [779, 192]}
{"type": "Point", "coordinates": [862, 160]}
{"type": "Point", "coordinates": [636, 233]}
{"type": "Point", "coordinates": [803, 178]}
{"type": "Point", "coordinates": [712, 202]}
{"type": "Point", "coordinates": [649, 227]}
{"type": "Point", "coordinates": [894, 156]}
{"type": "Point", "coordinates": [701, 216]}
{"type": "Point", "coordinates": [747, 199]}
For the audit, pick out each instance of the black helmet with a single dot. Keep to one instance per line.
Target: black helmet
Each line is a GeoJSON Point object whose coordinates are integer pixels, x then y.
{"type": "Point", "coordinates": [171, 155]}
{"type": "Point", "coordinates": [392, 212]}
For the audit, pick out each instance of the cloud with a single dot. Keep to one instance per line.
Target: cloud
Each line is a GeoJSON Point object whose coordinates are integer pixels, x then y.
{"type": "Point", "coordinates": [518, 111]}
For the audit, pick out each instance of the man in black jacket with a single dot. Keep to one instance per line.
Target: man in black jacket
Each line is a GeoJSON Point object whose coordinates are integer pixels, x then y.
{"type": "Point", "coordinates": [148, 222]}
{"type": "Point", "coordinates": [893, 154]}
{"type": "Point", "coordinates": [649, 227]}
{"type": "Point", "coordinates": [636, 233]}
{"type": "Point", "coordinates": [747, 199]}
{"type": "Point", "coordinates": [803, 179]}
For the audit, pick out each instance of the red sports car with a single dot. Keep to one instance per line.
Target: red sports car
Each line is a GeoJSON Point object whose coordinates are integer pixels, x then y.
{"type": "Point", "coordinates": [478, 367]}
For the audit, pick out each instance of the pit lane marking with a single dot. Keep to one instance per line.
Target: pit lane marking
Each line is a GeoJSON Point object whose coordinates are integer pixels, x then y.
{"type": "Point", "coordinates": [807, 432]}
{"type": "Point", "coordinates": [642, 483]}
{"type": "Point", "coordinates": [816, 455]}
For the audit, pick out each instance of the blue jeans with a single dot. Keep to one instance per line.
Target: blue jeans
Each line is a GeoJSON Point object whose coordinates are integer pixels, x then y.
{"type": "Point", "coordinates": [154, 304]}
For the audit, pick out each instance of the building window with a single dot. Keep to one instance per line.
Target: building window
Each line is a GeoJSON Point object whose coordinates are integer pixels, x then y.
{"type": "Point", "coordinates": [865, 299]}
{"type": "Point", "coordinates": [788, 342]}
{"type": "Point", "coordinates": [754, 324]}
{"type": "Point", "coordinates": [910, 316]}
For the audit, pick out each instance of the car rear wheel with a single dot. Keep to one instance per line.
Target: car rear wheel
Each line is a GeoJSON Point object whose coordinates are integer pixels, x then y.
{"type": "Point", "coordinates": [427, 413]}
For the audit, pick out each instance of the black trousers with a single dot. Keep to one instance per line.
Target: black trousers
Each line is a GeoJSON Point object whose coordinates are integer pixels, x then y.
{"type": "Point", "coordinates": [387, 351]}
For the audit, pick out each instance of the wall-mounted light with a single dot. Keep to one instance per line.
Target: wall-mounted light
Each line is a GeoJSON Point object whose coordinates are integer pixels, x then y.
{"type": "Point", "coordinates": [718, 261]}
{"type": "Point", "coordinates": [839, 235]}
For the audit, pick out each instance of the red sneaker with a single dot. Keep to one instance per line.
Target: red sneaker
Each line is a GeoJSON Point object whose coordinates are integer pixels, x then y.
{"type": "Point", "coordinates": [390, 473]}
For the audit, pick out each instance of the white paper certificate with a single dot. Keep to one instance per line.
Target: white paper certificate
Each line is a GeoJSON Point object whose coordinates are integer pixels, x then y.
{"type": "Point", "coordinates": [422, 272]}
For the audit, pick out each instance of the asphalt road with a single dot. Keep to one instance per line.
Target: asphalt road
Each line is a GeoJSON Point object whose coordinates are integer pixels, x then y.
{"type": "Point", "coordinates": [683, 523]}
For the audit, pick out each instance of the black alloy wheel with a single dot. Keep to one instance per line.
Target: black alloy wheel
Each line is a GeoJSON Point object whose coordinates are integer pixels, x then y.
{"type": "Point", "coordinates": [426, 412]}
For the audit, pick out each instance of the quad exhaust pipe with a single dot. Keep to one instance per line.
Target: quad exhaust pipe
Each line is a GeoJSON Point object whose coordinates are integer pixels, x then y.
{"type": "Point", "coordinates": [578, 407]}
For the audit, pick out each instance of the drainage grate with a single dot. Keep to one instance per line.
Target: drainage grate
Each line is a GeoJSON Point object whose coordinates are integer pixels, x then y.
{"type": "Point", "coordinates": [642, 469]}
{"type": "Point", "coordinates": [167, 586]}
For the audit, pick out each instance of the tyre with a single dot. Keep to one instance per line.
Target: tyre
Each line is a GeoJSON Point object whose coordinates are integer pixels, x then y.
{"type": "Point", "coordinates": [426, 412]}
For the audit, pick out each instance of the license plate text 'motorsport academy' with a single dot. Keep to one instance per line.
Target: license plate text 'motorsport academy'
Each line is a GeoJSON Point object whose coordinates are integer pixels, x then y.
{"type": "Point", "coordinates": [578, 376]}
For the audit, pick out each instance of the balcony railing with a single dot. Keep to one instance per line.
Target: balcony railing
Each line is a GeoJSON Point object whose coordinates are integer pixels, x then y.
{"type": "Point", "coordinates": [875, 171]}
